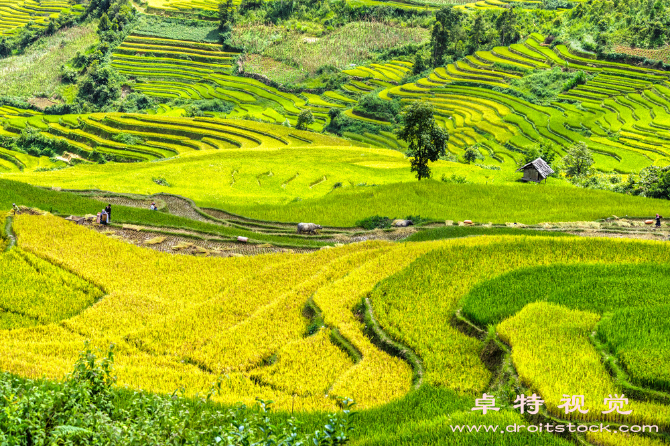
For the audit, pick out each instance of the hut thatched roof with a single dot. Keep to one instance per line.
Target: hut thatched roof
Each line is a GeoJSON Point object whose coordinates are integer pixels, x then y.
{"type": "Point", "coordinates": [540, 165]}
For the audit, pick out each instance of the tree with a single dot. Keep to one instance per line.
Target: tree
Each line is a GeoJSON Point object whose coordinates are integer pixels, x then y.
{"type": "Point", "coordinates": [544, 151]}
{"type": "Point", "coordinates": [578, 160]}
{"type": "Point", "coordinates": [478, 32]}
{"type": "Point", "coordinates": [472, 154]}
{"type": "Point", "coordinates": [426, 141]}
{"type": "Point", "coordinates": [5, 49]}
{"type": "Point", "coordinates": [105, 24]}
{"type": "Point", "coordinates": [226, 12]}
{"type": "Point", "coordinates": [506, 24]}
{"type": "Point", "coordinates": [419, 64]}
{"type": "Point", "coordinates": [305, 118]}
{"type": "Point", "coordinates": [445, 32]}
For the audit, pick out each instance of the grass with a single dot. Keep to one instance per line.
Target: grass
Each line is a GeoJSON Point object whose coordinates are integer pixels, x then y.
{"type": "Point", "coordinates": [639, 338]}
{"type": "Point", "coordinates": [65, 203]}
{"type": "Point", "coordinates": [396, 195]}
{"type": "Point", "coordinates": [37, 71]}
{"type": "Point", "coordinates": [274, 70]}
{"type": "Point", "coordinates": [354, 43]}
{"type": "Point", "coordinates": [447, 232]}
{"type": "Point", "coordinates": [174, 28]}
{"type": "Point", "coordinates": [595, 288]}
{"type": "Point", "coordinates": [526, 204]}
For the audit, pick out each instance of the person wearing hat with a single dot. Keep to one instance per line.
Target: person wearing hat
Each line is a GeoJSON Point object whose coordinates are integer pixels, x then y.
{"type": "Point", "coordinates": [153, 207]}
{"type": "Point", "coordinates": [15, 208]}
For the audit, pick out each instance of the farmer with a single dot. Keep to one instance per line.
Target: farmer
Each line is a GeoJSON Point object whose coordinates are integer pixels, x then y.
{"type": "Point", "coordinates": [104, 218]}
{"type": "Point", "coordinates": [658, 221]}
{"type": "Point", "coordinates": [15, 208]}
{"type": "Point", "coordinates": [154, 207]}
{"type": "Point", "coordinates": [108, 209]}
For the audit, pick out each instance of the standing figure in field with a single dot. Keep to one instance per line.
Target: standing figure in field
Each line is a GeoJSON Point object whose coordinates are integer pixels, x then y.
{"type": "Point", "coordinates": [308, 228]}
{"type": "Point", "coordinates": [15, 209]}
{"type": "Point", "coordinates": [108, 209]}
{"type": "Point", "coordinates": [658, 221]}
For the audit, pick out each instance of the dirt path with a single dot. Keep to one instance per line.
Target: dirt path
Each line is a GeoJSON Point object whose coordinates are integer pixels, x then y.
{"type": "Point", "coordinates": [185, 208]}
{"type": "Point", "coordinates": [180, 243]}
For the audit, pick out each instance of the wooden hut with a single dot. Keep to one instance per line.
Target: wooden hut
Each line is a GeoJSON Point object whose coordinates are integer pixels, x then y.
{"type": "Point", "coordinates": [536, 170]}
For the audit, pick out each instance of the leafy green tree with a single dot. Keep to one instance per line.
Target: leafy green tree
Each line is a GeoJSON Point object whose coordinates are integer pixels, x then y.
{"type": "Point", "coordinates": [661, 187]}
{"type": "Point", "coordinates": [478, 32]}
{"type": "Point", "coordinates": [226, 13]}
{"type": "Point", "coordinates": [5, 48]}
{"type": "Point", "coordinates": [105, 24]}
{"type": "Point", "coordinates": [426, 141]}
{"type": "Point", "coordinates": [446, 31]}
{"type": "Point", "coordinates": [305, 118]}
{"type": "Point", "coordinates": [419, 64]}
{"type": "Point", "coordinates": [578, 160]}
{"type": "Point", "coordinates": [100, 86]}
{"type": "Point", "coordinates": [506, 23]}
{"type": "Point", "coordinates": [472, 154]}
{"type": "Point", "coordinates": [544, 151]}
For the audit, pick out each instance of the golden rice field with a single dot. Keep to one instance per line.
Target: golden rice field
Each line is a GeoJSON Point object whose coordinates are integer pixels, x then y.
{"type": "Point", "coordinates": [184, 321]}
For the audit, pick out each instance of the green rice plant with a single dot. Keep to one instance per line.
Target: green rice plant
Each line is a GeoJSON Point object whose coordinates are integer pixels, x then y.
{"type": "Point", "coordinates": [554, 357]}
{"type": "Point", "coordinates": [638, 336]}
{"type": "Point", "coordinates": [448, 232]}
{"type": "Point", "coordinates": [430, 290]}
{"type": "Point", "coordinates": [595, 288]}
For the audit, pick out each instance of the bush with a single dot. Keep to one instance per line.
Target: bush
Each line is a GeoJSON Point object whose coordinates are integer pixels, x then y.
{"type": "Point", "coordinates": [458, 179]}
{"type": "Point", "coordinates": [128, 139]}
{"type": "Point", "coordinates": [373, 107]}
{"type": "Point", "coordinates": [578, 79]}
{"type": "Point", "coordinates": [86, 409]}
{"type": "Point", "coordinates": [374, 222]}
{"type": "Point", "coordinates": [305, 118]}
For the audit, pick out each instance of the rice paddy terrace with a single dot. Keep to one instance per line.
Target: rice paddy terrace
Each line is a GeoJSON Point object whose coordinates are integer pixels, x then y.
{"type": "Point", "coordinates": [288, 327]}
{"type": "Point", "coordinates": [14, 14]}
{"type": "Point", "coordinates": [621, 112]}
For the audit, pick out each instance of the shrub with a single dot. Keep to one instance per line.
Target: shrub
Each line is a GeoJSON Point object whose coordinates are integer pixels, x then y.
{"type": "Point", "coordinates": [305, 118]}
{"type": "Point", "coordinates": [374, 222]}
{"type": "Point", "coordinates": [374, 107]}
{"type": "Point", "coordinates": [128, 139]}
{"type": "Point", "coordinates": [86, 409]}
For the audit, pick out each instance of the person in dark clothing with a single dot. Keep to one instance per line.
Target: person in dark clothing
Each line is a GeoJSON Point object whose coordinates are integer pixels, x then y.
{"type": "Point", "coordinates": [658, 221]}
{"type": "Point", "coordinates": [108, 209]}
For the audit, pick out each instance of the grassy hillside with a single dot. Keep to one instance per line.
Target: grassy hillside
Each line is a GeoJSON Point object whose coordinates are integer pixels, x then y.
{"type": "Point", "coordinates": [19, 76]}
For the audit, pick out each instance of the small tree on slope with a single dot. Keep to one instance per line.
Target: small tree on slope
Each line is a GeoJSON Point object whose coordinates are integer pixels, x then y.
{"type": "Point", "coordinates": [578, 160]}
{"type": "Point", "coordinates": [427, 141]}
{"type": "Point", "coordinates": [305, 118]}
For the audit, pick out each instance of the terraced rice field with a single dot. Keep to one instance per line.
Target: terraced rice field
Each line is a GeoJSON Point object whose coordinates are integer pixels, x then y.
{"type": "Point", "coordinates": [17, 14]}
{"type": "Point", "coordinates": [192, 70]}
{"type": "Point", "coordinates": [227, 329]}
{"type": "Point", "coordinates": [252, 320]}
{"type": "Point", "coordinates": [160, 136]}
{"type": "Point", "coordinates": [485, 5]}
{"type": "Point", "coordinates": [622, 113]}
